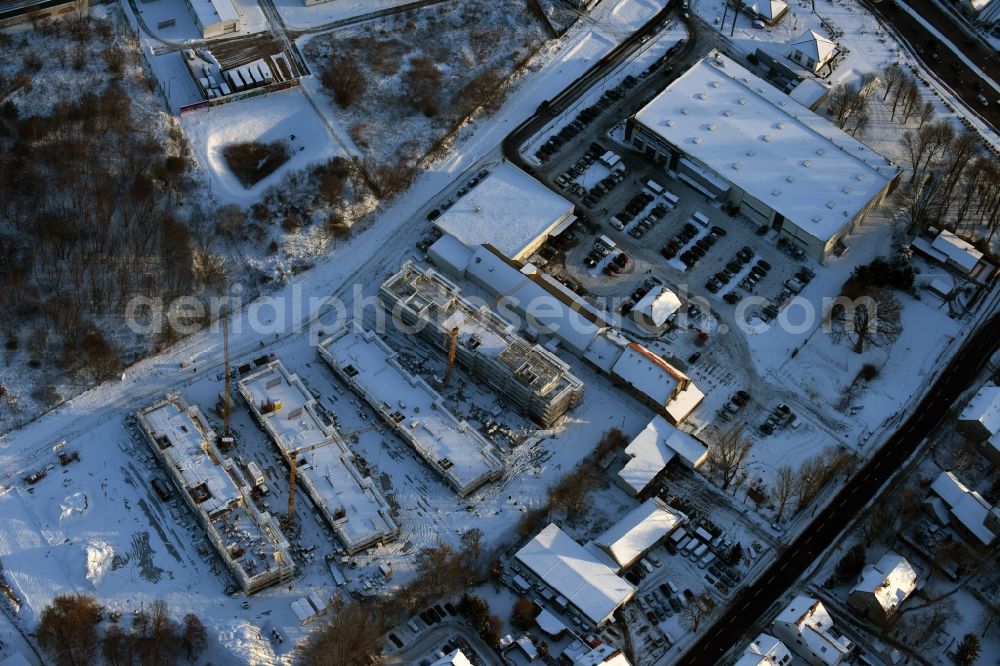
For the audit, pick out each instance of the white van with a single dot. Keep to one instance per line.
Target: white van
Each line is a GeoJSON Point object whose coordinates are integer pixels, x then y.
{"type": "Point", "coordinates": [655, 187]}
{"type": "Point", "coordinates": [616, 223]}
{"type": "Point", "coordinates": [700, 218]}
{"type": "Point", "coordinates": [671, 198]}
{"type": "Point", "coordinates": [607, 242]}
{"type": "Point", "coordinates": [646, 565]}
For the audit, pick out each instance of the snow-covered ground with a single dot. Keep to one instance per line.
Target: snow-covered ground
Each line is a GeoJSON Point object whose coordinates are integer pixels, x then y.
{"type": "Point", "coordinates": [281, 116]}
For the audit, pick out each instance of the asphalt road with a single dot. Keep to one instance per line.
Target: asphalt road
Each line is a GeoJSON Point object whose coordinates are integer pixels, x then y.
{"type": "Point", "coordinates": [951, 69]}
{"type": "Point", "coordinates": [752, 602]}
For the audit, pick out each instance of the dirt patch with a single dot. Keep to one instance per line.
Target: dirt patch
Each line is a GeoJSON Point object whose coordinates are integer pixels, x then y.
{"type": "Point", "coordinates": [254, 161]}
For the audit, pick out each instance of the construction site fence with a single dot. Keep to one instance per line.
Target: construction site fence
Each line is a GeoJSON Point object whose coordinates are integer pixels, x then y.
{"type": "Point", "coordinates": [246, 94]}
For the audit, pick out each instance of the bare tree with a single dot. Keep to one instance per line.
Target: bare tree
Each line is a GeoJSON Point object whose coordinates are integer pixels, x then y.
{"type": "Point", "coordinates": [892, 75]}
{"type": "Point", "coordinates": [345, 78]}
{"type": "Point", "coordinates": [423, 83]}
{"type": "Point", "coordinates": [784, 489]}
{"type": "Point", "coordinates": [349, 637]}
{"type": "Point", "coordinates": [472, 548]}
{"type": "Point", "coordinates": [911, 96]}
{"type": "Point", "coordinates": [962, 150]}
{"type": "Point", "coordinates": [728, 455]}
{"type": "Point", "coordinates": [870, 319]}
{"type": "Point", "coordinates": [194, 638]}
{"type": "Point", "coordinates": [695, 612]}
{"type": "Point", "coordinates": [926, 113]}
{"type": "Point", "coordinates": [927, 144]}
{"type": "Point", "coordinates": [917, 201]}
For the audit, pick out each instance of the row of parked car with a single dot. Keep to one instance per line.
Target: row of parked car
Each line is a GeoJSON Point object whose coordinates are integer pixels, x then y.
{"type": "Point", "coordinates": [737, 402]}
{"type": "Point", "coordinates": [792, 286]}
{"type": "Point", "coordinates": [779, 417]}
{"type": "Point", "coordinates": [462, 191]}
{"type": "Point", "coordinates": [568, 131]}
{"type": "Point", "coordinates": [742, 257]}
{"type": "Point", "coordinates": [603, 246]}
{"type": "Point", "coordinates": [791, 249]}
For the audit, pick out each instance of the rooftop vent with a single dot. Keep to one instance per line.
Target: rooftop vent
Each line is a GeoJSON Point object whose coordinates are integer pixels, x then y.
{"type": "Point", "coordinates": [830, 205]}
{"type": "Point", "coordinates": [776, 192]}
{"type": "Point", "coordinates": [697, 139]}
{"type": "Point", "coordinates": [766, 138]}
{"type": "Point", "coordinates": [817, 218]}
{"type": "Point", "coordinates": [671, 122]}
{"type": "Point", "coordinates": [742, 101]}
{"type": "Point", "coordinates": [860, 177]}
{"type": "Point", "coordinates": [760, 90]}
{"type": "Point", "coordinates": [846, 189]}
{"type": "Point", "coordinates": [790, 178]}
{"type": "Point", "coordinates": [728, 113]}
{"type": "Point", "coordinates": [737, 166]}
{"type": "Point", "coordinates": [714, 84]}
{"type": "Point", "coordinates": [751, 152]}
{"type": "Point", "coordinates": [701, 95]}
{"type": "Point", "coordinates": [478, 209]}
{"type": "Point", "coordinates": [820, 152]}
{"type": "Point", "coordinates": [686, 111]}
{"type": "Point", "coordinates": [710, 127]}
{"type": "Point", "coordinates": [780, 125]}
{"type": "Point", "coordinates": [807, 163]}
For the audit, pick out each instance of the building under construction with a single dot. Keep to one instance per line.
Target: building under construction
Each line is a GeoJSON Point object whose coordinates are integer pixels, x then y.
{"type": "Point", "coordinates": [249, 541]}
{"type": "Point", "coordinates": [307, 438]}
{"type": "Point", "coordinates": [485, 345]}
{"type": "Point", "coordinates": [414, 410]}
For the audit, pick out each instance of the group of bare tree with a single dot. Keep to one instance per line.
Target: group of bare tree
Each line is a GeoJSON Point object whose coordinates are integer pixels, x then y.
{"type": "Point", "coordinates": [88, 199]}
{"type": "Point", "coordinates": [849, 104]}
{"type": "Point", "coordinates": [68, 633]}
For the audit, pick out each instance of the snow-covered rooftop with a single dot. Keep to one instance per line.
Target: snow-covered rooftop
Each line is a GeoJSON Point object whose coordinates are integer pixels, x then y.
{"type": "Point", "coordinates": [815, 45]}
{"type": "Point", "coordinates": [984, 408]}
{"type": "Point", "coordinates": [968, 507]}
{"type": "Point", "coordinates": [602, 655]}
{"type": "Point", "coordinates": [210, 12]}
{"type": "Point", "coordinates": [640, 529]}
{"type": "Point", "coordinates": [653, 377]}
{"type": "Point", "coordinates": [569, 569]}
{"type": "Point", "coordinates": [768, 9]}
{"type": "Point", "coordinates": [959, 252]}
{"type": "Point", "coordinates": [765, 650]}
{"type": "Point", "coordinates": [654, 447]}
{"type": "Point", "coordinates": [508, 210]}
{"type": "Point", "coordinates": [779, 152]}
{"type": "Point", "coordinates": [815, 625]}
{"type": "Point", "coordinates": [456, 658]}
{"type": "Point", "coordinates": [450, 446]}
{"type": "Point", "coordinates": [658, 305]}
{"type": "Point", "coordinates": [891, 580]}
{"type": "Point", "coordinates": [350, 502]}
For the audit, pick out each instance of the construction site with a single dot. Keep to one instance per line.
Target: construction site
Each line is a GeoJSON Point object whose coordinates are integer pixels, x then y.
{"type": "Point", "coordinates": [317, 456]}
{"type": "Point", "coordinates": [249, 541]}
{"type": "Point", "coordinates": [414, 410]}
{"type": "Point", "coordinates": [488, 347]}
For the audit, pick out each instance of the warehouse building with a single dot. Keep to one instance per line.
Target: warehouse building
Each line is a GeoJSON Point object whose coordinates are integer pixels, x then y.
{"type": "Point", "coordinates": [214, 17]}
{"type": "Point", "coordinates": [639, 531]}
{"type": "Point", "coordinates": [295, 421]}
{"type": "Point", "coordinates": [583, 581]}
{"type": "Point", "coordinates": [509, 211]}
{"type": "Point", "coordinates": [735, 138]}
{"type": "Point", "coordinates": [488, 347]}
{"type": "Point", "coordinates": [415, 411]}
{"type": "Point", "coordinates": [249, 541]}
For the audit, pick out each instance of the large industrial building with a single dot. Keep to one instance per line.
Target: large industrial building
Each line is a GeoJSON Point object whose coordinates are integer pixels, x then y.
{"type": "Point", "coordinates": [532, 377]}
{"type": "Point", "coordinates": [581, 579]}
{"type": "Point", "coordinates": [348, 500]}
{"type": "Point", "coordinates": [735, 138]}
{"type": "Point", "coordinates": [413, 410]}
{"type": "Point", "coordinates": [509, 211]}
{"type": "Point", "coordinates": [249, 541]}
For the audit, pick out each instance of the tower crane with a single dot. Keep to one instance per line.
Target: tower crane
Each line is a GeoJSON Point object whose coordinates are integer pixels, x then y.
{"type": "Point", "coordinates": [453, 331]}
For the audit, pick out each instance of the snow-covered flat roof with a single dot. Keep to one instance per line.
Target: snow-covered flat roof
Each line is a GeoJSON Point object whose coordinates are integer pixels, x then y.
{"type": "Point", "coordinates": [640, 529]}
{"type": "Point", "coordinates": [508, 210]}
{"type": "Point", "coordinates": [210, 12]}
{"type": "Point", "coordinates": [984, 407]}
{"type": "Point", "coordinates": [282, 401]}
{"type": "Point", "coordinates": [569, 569]}
{"type": "Point", "coordinates": [449, 445]}
{"type": "Point", "coordinates": [350, 502]}
{"type": "Point", "coordinates": [653, 377]}
{"type": "Point", "coordinates": [779, 152]}
{"type": "Point", "coordinates": [654, 447]}
{"type": "Point", "coordinates": [891, 580]}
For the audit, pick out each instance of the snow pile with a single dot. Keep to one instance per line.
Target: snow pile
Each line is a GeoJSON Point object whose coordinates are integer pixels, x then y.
{"type": "Point", "coordinates": [99, 556]}
{"type": "Point", "coordinates": [73, 506]}
{"type": "Point", "coordinates": [245, 643]}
